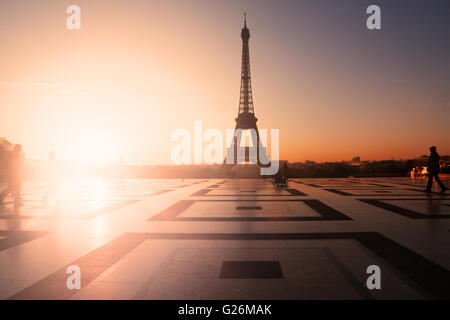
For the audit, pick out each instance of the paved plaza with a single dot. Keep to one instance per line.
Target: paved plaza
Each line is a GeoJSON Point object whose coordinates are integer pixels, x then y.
{"type": "Point", "coordinates": [227, 239]}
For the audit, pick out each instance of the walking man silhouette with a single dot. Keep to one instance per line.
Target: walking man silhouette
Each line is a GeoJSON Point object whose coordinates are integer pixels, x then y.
{"type": "Point", "coordinates": [15, 168]}
{"type": "Point", "coordinates": [433, 170]}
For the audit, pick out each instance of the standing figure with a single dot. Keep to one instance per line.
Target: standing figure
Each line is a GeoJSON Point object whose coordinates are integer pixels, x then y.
{"type": "Point", "coordinates": [433, 170]}
{"type": "Point", "coordinates": [14, 171]}
{"type": "Point", "coordinates": [285, 174]}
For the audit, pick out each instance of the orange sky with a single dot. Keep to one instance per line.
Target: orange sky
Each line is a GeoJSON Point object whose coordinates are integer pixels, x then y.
{"type": "Point", "coordinates": [137, 70]}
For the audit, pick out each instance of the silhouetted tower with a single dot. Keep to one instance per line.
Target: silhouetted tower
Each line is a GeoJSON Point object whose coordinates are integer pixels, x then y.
{"type": "Point", "coordinates": [246, 115]}
{"type": "Point", "coordinates": [246, 98]}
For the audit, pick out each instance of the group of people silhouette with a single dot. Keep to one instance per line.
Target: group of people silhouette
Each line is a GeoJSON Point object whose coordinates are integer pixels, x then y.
{"type": "Point", "coordinates": [15, 170]}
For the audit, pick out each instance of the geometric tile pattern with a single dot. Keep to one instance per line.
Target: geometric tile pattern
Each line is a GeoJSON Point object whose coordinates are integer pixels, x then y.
{"type": "Point", "coordinates": [227, 239]}
{"type": "Point", "coordinates": [287, 212]}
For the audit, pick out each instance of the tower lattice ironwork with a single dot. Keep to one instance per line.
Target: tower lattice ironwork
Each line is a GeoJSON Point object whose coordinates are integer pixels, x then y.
{"type": "Point", "coordinates": [246, 119]}
{"type": "Point", "coordinates": [246, 97]}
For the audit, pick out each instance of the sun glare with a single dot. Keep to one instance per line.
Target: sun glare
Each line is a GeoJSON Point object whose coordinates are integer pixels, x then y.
{"type": "Point", "coordinates": [96, 147]}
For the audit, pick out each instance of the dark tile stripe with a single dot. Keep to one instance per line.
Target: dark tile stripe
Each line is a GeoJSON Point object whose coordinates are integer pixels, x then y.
{"type": "Point", "coordinates": [254, 188]}
{"type": "Point", "coordinates": [409, 184]}
{"type": "Point", "coordinates": [159, 192]}
{"type": "Point", "coordinates": [407, 199]}
{"type": "Point", "coordinates": [15, 238]}
{"type": "Point", "coordinates": [91, 265]}
{"type": "Point", "coordinates": [342, 193]}
{"type": "Point", "coordinates": [380, 185]}
{"type": "Point", "coordinates": [385, 194]}
{"type": "Point", "coordinates": [113, 207]}
{"type": "Point", "coordinates": [328, 213]}
{"type": "Point", "coordinates": [173, 211]}
{"type": "Point", "coordinates": [254, 219]}
{"type": "Point", "coordinates": [253, 199]}
{"type": "Point", "coordinates": [351, 279]}
{"type": "Point", "coordinates": [201, 181]}
{"type": "Point", "coordinates": [21, 217]}
{"type": "Point", "coordinates": [251, 236]}
{"type": "Point", "coordinates": [201, 192]}
{"type": "Point", "coordinates": [251, 270]}
{"type": "Point", "coordinates": [296, 192]}
{"type": "Point", "coordinates": [367, 188]}
{"type": "Point", "coordinates": [307, 184]}
{"type": "Point", "coordinates": [421, 191]}
{"type": "Point", "coordinates": [248, 208]}
{"type": "Point", "coordinates": [433, 279]}
{"type": "Point", "coordinates": [87, 216]}
{"type": "Point", "coordinates": [402, 211]}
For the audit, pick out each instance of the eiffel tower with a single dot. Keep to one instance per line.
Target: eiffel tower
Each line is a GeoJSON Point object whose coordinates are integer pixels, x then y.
{"type": "Point", "coordinates": [246, 119]}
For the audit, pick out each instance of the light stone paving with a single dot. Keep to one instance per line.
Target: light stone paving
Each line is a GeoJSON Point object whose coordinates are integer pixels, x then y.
{"type": "Point", "coordinates": [227, 239]}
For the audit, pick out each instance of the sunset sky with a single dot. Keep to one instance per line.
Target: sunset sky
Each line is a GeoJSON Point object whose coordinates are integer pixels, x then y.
{"type": "Point", "coordinates": [139, 69]}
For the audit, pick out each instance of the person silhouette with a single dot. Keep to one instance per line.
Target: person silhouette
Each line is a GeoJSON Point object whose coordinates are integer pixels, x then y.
{"type": "Point", "coordinates": [433, 170]}
{"type": "Point", "coordinates": [285, 174]}
{"type": "Point", "coordinates": [14, 169]}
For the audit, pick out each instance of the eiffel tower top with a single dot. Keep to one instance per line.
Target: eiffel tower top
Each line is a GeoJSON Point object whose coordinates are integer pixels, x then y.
{"type": "Point", "coordinates": [245, 32]}
{"type": "Point", "coordinates": [246, 97]}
